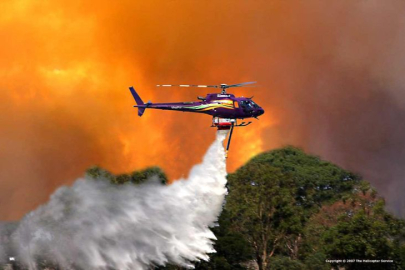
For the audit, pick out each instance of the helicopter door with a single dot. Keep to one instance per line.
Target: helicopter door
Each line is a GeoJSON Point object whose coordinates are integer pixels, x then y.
{"type": "Point", "coordinates": [244, 104]}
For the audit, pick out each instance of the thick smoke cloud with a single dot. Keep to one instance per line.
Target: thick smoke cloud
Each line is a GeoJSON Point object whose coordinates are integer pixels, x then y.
{"type": "Point", "coordinates": [97, 225]}
{"type": "Point", "coordinates": [330, 79]}
{"type": "Point", "coordinates": [348, 104]}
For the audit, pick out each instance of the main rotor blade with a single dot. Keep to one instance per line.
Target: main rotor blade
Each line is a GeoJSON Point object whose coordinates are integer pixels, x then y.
{"type": "Point", "coordinates": [223, 86]}
{"type": "Point", "coordinates": [239, 84]}
{"type": "Point", "coordinates": [187, 85]}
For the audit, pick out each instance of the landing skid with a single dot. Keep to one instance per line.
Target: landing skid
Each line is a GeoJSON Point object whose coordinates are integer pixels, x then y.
{"type": "Point", "coordinates": [243, 124]}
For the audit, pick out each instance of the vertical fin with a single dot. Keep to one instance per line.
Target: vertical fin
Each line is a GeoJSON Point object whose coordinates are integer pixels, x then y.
{"type": "Point", "coordinates": [138, 101]}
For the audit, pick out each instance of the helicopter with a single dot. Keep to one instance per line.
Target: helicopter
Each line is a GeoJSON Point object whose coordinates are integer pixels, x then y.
{"type": "Point", "coordinates": [225, 108]}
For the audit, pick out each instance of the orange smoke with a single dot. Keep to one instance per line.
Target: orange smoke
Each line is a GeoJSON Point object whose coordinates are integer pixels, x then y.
{"type": "Point", "coordinates": [66, 67]}
{"type": "Point", "coordinates": [65, 72]}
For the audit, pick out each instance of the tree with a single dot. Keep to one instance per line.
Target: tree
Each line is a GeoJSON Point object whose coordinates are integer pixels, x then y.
{"type": "Point", "coordinates": [97, 172]}
{"type": "Point", "coordinates": [316, 181]}
{"type": "Point", "coordinates": [285, 263]}
{"type": "Point", "coordinates": [232, 250]}
{"type": "Point", "coordinates": [261, 202]}
{"type": "Point", "coordinates": [136, 177]}
{"type": "Point", "coordinates": [373, 234]}
{"type": "Point", "coordinates": [274, 194]}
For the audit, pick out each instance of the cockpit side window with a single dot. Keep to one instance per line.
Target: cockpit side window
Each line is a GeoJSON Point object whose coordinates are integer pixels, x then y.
{"type": "Point", "coordinates": [244, 104]}
{"type": "Point", "coordinates": [235, 104]}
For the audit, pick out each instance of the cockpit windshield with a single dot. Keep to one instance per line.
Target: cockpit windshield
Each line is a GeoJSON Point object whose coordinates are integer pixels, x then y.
{"type": "Point", "coordinates": [248, 104]}
{"type": "Point", "coordinates": [254, 104]}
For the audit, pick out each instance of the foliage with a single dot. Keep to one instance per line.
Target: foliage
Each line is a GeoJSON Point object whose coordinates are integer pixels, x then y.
{"type": "Point", "coordinates": [366, 235]}
{"type": "Point", "coordinates": [98, 172]}
{"type": "Point", "coordinates": [317, 261]}
{"type": "Point", "coordinates": [272, 197]}
{"type": "Point", "coordinates": [261, 204]}
{"type": "Point", "coordinates": [136, 177]}
{"type": "Point", "coordinates": [232, 248]}
{"type": "Point", "coordinates": [285, 263]}
{"type": "Point", "coordinates": [315, 180]}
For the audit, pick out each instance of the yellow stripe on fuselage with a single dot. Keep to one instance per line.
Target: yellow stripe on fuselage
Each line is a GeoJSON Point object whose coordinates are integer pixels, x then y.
{"type": "Point", "coordinates": [215, 106]}
{"type": "Point", "coordinates": [225, 101]}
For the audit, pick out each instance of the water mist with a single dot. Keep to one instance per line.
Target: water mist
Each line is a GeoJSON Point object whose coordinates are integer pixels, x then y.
{"type": "Point", "coordinates": [98, 225]}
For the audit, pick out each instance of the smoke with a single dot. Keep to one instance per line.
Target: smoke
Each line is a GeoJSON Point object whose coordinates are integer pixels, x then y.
{"type": "Point", "coordinates": [330, 77]}
{"type": "Point", "coordinates": [2, 247]}
{"type": "Point", "coordinates": [97, 225]}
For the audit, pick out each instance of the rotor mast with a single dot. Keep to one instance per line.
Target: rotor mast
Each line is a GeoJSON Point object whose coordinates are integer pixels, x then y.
{"type": "Point", "coordinates": [223, 87]}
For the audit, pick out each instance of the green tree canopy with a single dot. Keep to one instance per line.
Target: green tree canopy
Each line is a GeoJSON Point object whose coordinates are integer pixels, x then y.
{"type": "Point", "coordinates": [136, 177]}
{"type": "Point", "coordinates": [297, 210]}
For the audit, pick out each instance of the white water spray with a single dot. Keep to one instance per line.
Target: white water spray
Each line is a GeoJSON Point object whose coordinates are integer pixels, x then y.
{"type": "Point", "coordinates": [98, 225]}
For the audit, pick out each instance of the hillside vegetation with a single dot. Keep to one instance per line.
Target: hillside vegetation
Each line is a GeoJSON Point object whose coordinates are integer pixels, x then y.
{"type": "Point", "coordinates": [290, 210]}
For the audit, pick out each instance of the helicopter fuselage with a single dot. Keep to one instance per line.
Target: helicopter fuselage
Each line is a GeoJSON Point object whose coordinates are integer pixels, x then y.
{"type": "Point", "coordinates": [217, 104]}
